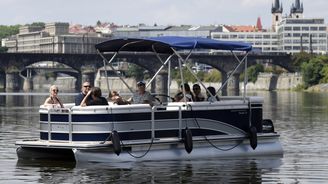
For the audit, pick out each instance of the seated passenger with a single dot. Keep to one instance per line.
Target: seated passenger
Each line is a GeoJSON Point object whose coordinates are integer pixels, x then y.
{"type": "Point", "coordinates": [115, 97]}
{"type": "Point", "coordinates": [212, 91]}
{"type": "Point", "coordinates": [84, 91]}
{"type": "Point", "coordinates": [141, 96]}
{"type": "Point", "coordinates": [96, 98]}
{"type": "Point", "coordinates": [53, 99]}
{"type": "Point", "coordinates": [197, 93]}
{"type": "Point", "coordinates": [179, 97]}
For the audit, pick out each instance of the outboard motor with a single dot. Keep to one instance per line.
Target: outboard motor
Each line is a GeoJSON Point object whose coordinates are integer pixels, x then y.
{"type": "Point", "coordinates": [267, 125]}
{"type": "Point", "coordinates": [116, 142]}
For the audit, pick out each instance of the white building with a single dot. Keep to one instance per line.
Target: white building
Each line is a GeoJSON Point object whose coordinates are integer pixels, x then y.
{"type": "Point", "coordinates": [300, 34]}
{"type": "Point", "coordinates": [54, 38]}
{"type": "Point", "coordinates": [289, 34]}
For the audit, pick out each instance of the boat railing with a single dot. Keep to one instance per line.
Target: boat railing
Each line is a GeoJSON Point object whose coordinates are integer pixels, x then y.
{"type": "Point", "coordinates": [50, 122]}
{"type": "Point", "coordinates": [160, 109]}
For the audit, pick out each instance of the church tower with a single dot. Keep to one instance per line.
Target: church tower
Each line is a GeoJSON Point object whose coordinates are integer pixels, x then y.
{"type": "Point", "coordinates": [296, 11]}
{"type": "Point", "coordinates": [276, 11]}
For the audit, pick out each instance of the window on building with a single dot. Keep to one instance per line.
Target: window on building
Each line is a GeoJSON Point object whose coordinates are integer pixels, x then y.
{"type": "Point", "coordinates": [314, 28]}
{"type": "Point", "coordinates": [305, 28]}
{"type": "Point", "coordinates": [266, 36]}
{"type": "Point", "coordinates": [250, 36]}
{"type": "Point", "coordinates": [287, 28]}
{"type": "Point", "coordinates": [322, 28]}
{"type": "Point", "coordinates": [296, 28]}
{"type": "Point", "coordinates": [288, 48]}
{"type": "Point", "coordinates": [233, 36]}
{"type": "Point", "coordinates": [296, 48]}
{"type": "Point", "coordinates": [287, 35]}
{"type": "Point", "coordinates": [296, 35]}
{"type": "Point", "coordinates": [241, 36]}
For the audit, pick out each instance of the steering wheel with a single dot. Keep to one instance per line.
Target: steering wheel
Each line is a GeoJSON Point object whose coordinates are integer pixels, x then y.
{"type": "Point", "coordinates": [156, 97]}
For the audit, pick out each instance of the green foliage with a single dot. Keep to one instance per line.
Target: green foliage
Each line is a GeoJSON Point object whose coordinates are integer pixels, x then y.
{"type": "Point", "coordinates": [37, 24]}
{"type": "Point", "coordinates": [6, 31]}
{"type": "Point", "coordinates": [299, 58]}
{"type": "Point", "coordinates": [3, 49]}
{"type": "Point", "coordinates": [299, 87]}
{"type": "Point", "coordinates": [213, 76]}
{"type": "Point", "coordinates": [136, 72]}
{"type": "Point", "coordinates": [253, 72]}
{"type": "Point", "coordinates": [311, 71]}
{"type": "Point", "coordinates": [324, 73]}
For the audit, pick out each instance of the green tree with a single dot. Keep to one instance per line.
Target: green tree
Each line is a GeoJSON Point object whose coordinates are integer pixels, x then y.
{"type": "Point", "coordinates": [6, 31]}
{"type": "Point", "coordinates": [213, 76]}
{"type": "Point", "coordinates": [37, 24]}
{"type": "Point", "coordinates": [299, 58]}
{"type": "Point", "coordinates": [253, 72]}
{"type": "Point", "coordinates": [324, 74]}
{"type": "Point", "coordinates": [312, 71]}
{"type": "Point", "coordinates": [136, 72]}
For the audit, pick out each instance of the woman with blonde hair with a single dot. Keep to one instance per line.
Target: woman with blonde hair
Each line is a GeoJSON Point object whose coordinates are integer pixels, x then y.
{"type": "Point", "coordinates": [53, 100]}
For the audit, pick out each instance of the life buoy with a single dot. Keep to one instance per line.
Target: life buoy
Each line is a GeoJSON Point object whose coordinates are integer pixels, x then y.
{"type": "Point", "coordinates": [188, 140]}
{"type": "Point", "coordinates": [116, 142]}
{"type": "Point", "coordinates": [253, 137]}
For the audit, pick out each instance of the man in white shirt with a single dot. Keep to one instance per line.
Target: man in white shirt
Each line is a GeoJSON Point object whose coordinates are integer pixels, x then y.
{"type": "Point", "coordinates": [141, 96]}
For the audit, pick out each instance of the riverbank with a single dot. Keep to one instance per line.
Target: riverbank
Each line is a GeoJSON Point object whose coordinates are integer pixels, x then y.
{"type": "Point", "coordinates": [318, 88]}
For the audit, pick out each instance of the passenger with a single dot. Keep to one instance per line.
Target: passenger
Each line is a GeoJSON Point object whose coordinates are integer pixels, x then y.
{"type": "Point", "coordinates": [53, 99]}
{"type": "Point", "coordinates": [115, 97]}
{"type": "Point", "coordinates": [179, 97]}
{"type": "Point", "coordinates": [96, 98]}
{"type": "Point", "coordinates": [212, 91]}
{"type": "Point", "coordinates": [84, 91]}
{"type": "Point", "coordinates": [197, 93]}
{"type": "Point", "coordinates": [141, 96]}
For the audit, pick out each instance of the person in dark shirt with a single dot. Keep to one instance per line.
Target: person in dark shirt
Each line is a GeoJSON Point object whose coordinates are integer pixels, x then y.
{"type": "Point", "coordinates": [197, 93]}
{"type": "Point", "coordinates": [212, 97]}
{"type": "Point", "coordinates": [179, 97]}
{"type": "Point", "coordinates": [96, 98]}
{"type": "Point", "coordinates": [84, 91]}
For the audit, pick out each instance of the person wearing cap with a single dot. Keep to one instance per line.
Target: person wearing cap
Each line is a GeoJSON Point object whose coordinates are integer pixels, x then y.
{"type": "Point", "coordinates": [141, 96]}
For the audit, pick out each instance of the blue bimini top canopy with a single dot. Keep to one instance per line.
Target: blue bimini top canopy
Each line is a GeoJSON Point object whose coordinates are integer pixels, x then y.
{"type": "Point", "coordinates": [164, 44]}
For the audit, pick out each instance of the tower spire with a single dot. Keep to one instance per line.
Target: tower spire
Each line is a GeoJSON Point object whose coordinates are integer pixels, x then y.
{"type": "Point", "coordinates": [276, 7]}
{"type": "Point", "coordinates": [296, 10]}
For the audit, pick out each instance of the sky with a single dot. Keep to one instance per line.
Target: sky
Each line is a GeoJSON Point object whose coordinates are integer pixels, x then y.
{"type": "Point", "coordinates": [149, 12]}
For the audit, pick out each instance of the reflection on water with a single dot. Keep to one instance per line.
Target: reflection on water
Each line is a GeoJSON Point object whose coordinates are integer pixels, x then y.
{"type": "Point", "coordinates": [300, 118]}
{"type": "Point", "coordinates": [216, 171]}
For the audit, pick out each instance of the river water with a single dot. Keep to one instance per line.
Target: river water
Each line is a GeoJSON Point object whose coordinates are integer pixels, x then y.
{"type": "Point", "coordinates": [301, 119]}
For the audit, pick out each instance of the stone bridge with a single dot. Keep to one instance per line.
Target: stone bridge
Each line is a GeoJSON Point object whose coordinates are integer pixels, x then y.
{"type": "Point", "coordinates": [85, 65]}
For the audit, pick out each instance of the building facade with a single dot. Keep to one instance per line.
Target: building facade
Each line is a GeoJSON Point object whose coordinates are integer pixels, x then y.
{"type": "Point", "coordinates": [290, 34]}
{"type": "Point", "coordinates": [54, 38]}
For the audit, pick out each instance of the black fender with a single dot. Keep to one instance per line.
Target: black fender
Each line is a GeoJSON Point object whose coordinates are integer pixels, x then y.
{"type": "Point", "coordinates": [116, 142]}
{"type": "Point", "coordinates": [253, 137]}
{"type": "Point", "coordinates": [188, 140]}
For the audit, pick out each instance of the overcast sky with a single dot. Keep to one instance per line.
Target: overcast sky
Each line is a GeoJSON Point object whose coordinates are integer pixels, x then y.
{"type": "Point", "coordinates": [161, 12]}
